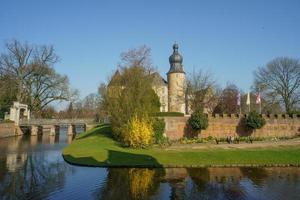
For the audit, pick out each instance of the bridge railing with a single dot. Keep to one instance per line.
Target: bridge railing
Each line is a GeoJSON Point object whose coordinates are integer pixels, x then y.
{"type": "Point", "coordinates": [24, 122]}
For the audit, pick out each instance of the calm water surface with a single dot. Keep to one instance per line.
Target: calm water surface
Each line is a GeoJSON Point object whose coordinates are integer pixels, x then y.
{"type": "Point", "coordinates": [33, 168]}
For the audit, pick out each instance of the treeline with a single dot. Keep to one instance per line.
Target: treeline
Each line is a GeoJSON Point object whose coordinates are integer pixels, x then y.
{"type": "Point", "coordinates": [277, 83]}
{"type": "Point", "coordinates": [88, 107]}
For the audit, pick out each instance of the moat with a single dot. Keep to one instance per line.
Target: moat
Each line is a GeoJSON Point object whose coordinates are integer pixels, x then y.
{"type": "Point", "coordinates": [33, 168]}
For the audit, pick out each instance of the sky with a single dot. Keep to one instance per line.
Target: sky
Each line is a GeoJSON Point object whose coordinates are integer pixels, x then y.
{"type": "Point", "coordinates": [231, 38]}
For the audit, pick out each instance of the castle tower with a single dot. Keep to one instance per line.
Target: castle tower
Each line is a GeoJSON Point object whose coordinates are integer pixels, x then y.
{"type": "Point", "coordinates": [176, 82]}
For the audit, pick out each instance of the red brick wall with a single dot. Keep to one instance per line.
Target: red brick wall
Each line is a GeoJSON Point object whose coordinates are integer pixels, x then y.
{"type": "Point", "coordinates": [233, 125]}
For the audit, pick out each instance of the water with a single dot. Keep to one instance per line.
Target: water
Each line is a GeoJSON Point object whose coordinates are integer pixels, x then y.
{"type": "Point", "coordinates": [33, 168]}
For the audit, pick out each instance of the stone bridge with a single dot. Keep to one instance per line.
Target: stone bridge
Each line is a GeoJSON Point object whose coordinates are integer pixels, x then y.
{"type": "Point", "coordinates": [37, 126]}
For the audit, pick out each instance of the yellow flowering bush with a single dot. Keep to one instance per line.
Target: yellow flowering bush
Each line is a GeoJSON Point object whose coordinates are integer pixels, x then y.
{"type": "Point", "coordinates": [138, 132]}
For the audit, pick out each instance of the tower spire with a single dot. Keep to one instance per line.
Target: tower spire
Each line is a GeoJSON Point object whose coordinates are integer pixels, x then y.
{"type": "Point", "coordinates": [176, 82]}
{"type": "Point", "coordinates": [176, 60]}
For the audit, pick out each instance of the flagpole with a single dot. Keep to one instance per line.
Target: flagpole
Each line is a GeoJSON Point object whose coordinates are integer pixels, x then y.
{"type": "Point", "coordinates": [259, 96]}
{"type": "Point", "coordinates": [239, 109]}
{"type": "Point", "coordinates": [260, 107]}
{"type": "Point", "coordinates": [248, 102]}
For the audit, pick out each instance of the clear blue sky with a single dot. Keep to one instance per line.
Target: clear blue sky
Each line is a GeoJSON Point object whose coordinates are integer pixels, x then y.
{"type": "Point", "coordinates": [230, 38]}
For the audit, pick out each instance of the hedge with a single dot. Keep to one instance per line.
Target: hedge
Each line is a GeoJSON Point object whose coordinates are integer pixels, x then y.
{"type": "Point", "coordinates": [168, 114]}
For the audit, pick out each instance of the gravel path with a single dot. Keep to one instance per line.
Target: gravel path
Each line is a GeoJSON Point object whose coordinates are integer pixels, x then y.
{"type": "Point", "coordinates": [242, 145]}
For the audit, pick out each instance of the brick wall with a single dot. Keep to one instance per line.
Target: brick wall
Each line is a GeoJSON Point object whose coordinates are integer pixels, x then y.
{"type": "Point", "coordinates": [222, 126]}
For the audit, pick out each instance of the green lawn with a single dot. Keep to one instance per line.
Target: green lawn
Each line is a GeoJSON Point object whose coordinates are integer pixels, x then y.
{"type": "Point", "coordinates": [97, 148]}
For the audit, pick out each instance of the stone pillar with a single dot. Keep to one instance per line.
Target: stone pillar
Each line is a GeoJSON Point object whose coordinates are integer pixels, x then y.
{"type": "Point", "coordinates": [28, 114]}
{"type": "Point", "coordinates": [70, 130]}
{"type": "Point", "coordinates": [34, 130]}
{"type": "Point", "coordinates": [52, 131]}
{"type": "Point", "coordinates": [89, 127]}
{"type": "Point", "coordinates": [17, 116]}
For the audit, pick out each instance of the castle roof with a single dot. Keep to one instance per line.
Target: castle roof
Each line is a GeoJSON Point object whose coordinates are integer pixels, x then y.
{"type": "Point", "coordinates": [175, 61]}
{"type": "Point", "coordinates": [158, 79]}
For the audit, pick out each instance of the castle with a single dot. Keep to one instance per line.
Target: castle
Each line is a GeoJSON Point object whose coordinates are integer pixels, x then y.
{"type": "Point", "coordinates": [171, 93]}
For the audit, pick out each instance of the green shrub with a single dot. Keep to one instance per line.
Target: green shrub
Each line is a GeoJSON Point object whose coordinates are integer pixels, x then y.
{"type": "Point", "coordinates": [255, 121]}
{"type": "Point", "coordinates": [198, 120]}
{"type": "Point", "coordinates": [129, 96]}
{"type": "Point", "coordinates": [158, 126]}
{"type": "Point", "coordinates": [168, 114]}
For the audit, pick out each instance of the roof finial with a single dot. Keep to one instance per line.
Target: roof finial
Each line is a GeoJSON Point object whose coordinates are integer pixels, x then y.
{"type": "Point", "coordinates": [175, 47]}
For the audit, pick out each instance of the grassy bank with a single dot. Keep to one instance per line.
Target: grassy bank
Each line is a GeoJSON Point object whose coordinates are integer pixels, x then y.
{"type": "Point", "coordinates": [97, 148]}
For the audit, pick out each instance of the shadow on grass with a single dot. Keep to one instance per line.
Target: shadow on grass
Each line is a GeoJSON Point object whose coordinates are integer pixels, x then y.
{"type": "Point", "coordinates": [103, 129]}
{"type": "Point", "coordinates": [116, 159]}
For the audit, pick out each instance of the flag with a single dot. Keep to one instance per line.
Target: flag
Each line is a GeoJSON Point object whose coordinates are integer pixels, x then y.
{"type": "Point", "coordinates": [248, 99]}
{"type": "Point", "coordinates": [258, 99]}
{"type": "Point", "coordinates": [238, 99]}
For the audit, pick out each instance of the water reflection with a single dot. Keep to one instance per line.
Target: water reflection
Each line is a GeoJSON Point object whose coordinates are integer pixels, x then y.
{"type": "Point", "coordinates": [201, 183]}
{"type": "Point", "coordinates": [37, 179]}
{"type": "Point", "coordinates": [130, 183]}
{"type": "Point", "coordinates": [33, 168]}
{"type": "Point", "coordinates": [28, 172]}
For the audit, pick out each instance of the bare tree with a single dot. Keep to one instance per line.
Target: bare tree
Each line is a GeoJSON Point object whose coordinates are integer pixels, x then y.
{"type": "Point", "coordinates": [279, 81]}
{"type": "Point", "coordinates": [32, 75]}
{"type": "Point", "coordinates": [140, 56]}
{"type": "Point", "coordinates": [228, 100]}
{"type": "Point", "coordinates": [90, 105]}
{"type": "Point", "coordinates": [90, 102]}
{"type": "Point", "coordinates": [14, 63]}
{"type": "Point", "coordinates": [202, 91]}
{"type": "Point", "coordinates": [44, 86]}
{"type": "Point", "coordinates": [102, 101]}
